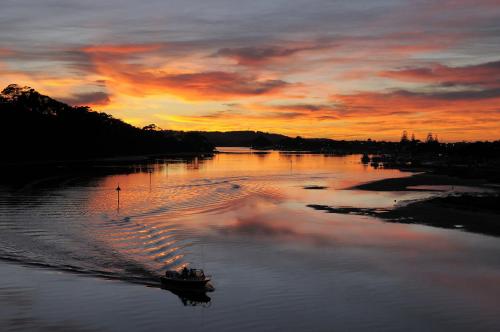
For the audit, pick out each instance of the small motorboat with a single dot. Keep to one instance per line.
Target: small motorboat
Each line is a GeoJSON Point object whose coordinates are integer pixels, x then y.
{"type": "Point", "coordinates": [187, 279]}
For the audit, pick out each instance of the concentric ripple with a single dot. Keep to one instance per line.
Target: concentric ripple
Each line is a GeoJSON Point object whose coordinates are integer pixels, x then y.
{"type": "Point", "coordinates": [82, 229]}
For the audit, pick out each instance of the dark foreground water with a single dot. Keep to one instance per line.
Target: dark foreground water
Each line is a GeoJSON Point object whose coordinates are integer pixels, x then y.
{"type": "Point", "coordinates": [71, 260]}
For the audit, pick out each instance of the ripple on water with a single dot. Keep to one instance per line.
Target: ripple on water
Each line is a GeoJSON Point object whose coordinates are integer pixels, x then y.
{"type": "Point", "coordinates": [62, 229]}
{"type": "Point", "coordinates": [282, 273]}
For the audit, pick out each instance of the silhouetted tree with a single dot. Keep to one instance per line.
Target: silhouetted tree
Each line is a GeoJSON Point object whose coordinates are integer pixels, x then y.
{"type": "Point", "coordinates": [34, 126]}
{"type": "Point", "coordinates": [430, 138]}
{"type": "Point", "coordinates": [151, 127]}
{"type": "Point", "coordinates": [404, 137]}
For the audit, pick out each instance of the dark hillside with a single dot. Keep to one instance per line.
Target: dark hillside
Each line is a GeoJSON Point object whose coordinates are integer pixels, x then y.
{"type": "Point", "coordinates": [37, 127]}
{"type": "Point", "coordinates": [240, 138]}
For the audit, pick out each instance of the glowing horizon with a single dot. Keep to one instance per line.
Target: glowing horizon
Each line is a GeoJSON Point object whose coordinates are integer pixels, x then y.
{"type": "Point", "coordinates": [343, 70]}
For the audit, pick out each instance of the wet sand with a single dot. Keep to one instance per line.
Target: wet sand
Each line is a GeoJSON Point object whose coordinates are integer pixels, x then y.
{"type": "Point", "coordinates": [420, 179]}
{"type": "Point", "coordinates": [477, 212]}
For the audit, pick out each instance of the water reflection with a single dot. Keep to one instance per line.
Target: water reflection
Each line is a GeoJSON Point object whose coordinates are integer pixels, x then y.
{"type": "Point", "coordinates": [243, 217]}
{"type": "Point", "coordinates": [191, 298]}
{"type": "Point", "coordinates": [67, 219]}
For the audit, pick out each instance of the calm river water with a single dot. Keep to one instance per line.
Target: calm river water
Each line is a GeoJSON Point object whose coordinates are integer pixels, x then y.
{"type": "Point", "coordinates": [71, 259]}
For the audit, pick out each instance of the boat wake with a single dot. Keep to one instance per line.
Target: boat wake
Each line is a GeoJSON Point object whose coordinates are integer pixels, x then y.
{"type": "Point", "coordinates": [78, 229]}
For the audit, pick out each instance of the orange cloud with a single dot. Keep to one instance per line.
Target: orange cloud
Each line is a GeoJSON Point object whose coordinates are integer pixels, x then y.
{"type": "Point", "coordinates": [6, 51]}
{"type": "Point", "coordinates": [302, 111]}
{"type": "Point", "coordinates": [265, 54]}
{"type": "Point", "coordinates": [121, 48]}
{"type": "Point", "coordinates": [97, 98]}
{"type": "Point", "coordinates": [456, 115]}
{"type": "Point", "coordinates": [456, 102]}
{"type": "Point", "coordinates": [486, 74]}
{"type": "Point", "coordinates": [406, 101]}
{"type": "Point", "coordinates": [215, 85]}
{"type": "Point", "coordinates": [140, 80]}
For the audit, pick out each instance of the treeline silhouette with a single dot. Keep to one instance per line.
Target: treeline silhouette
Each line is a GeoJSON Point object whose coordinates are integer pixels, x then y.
{"type": "Point", "coordinates": [431, 147]}
{"type": "Point", "coordinates": [464, 159]}
{"type": "Point", "coordinates": [457, 152]}
{"type": "Point", "coordinates": [37, 127]}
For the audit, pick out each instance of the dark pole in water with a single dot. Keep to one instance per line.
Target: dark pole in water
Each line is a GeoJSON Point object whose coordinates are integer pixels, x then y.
{"type": "Point", "coordinates": [118, 189]}
{"type": "Point", "coordinates": [150, 171]}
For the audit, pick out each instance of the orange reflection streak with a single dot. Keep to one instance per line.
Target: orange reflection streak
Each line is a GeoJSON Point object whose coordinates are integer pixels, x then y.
{"type": "Point", "coordinates": [240, 196]}
{"type": "Point", "coordinates": [152, 221]}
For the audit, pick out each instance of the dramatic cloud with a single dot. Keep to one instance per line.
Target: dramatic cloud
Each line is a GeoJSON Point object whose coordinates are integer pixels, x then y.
{"type": "Point", "coordinates": [258, 55]}
{"type": "Point", "coordinates": [123, 65]}
{"type": "Point", "coordinates": [196, 86]}
{"type": "Point", "coordinates": [316, 112]}
{"type": "Point", "coordinates": [343, 69]}
{"type": "Point", "coordinates": [485, 74]}
{"type": "Point", "coordinates": [5, 52]}
{"type": "Point", "coordinates": [219, 84]}
{"type": "Point", "coordinates": [115, 49]}
{"type": "Point", "coordinates": [412, 102]}
{"type": "Point", "coordinates": [88, 99]}
{"type": "Point", "coordinates": [453, 118]}
{"type": "Point", "coordinates": [266, 112]}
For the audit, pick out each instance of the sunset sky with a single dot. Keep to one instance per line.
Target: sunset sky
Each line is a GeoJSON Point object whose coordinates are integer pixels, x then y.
{"type": "Point", "coordinates": [317, 68]}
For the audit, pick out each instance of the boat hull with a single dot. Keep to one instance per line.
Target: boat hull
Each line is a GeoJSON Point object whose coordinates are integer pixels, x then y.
{"type": "Point", "coordinates": [184, 283]}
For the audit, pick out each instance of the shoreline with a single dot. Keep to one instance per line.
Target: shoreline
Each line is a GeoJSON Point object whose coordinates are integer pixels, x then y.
{"type": "Point", "coordinates": [111, 159]}
{"type": "Point", "coordinates": [419, 179]}
{"type": "Point", "coordinates": [22, 172]}
{"type": "Point", "coordinates": [477, 212]}
{"type": "Point", "coordinates": [472, 213]}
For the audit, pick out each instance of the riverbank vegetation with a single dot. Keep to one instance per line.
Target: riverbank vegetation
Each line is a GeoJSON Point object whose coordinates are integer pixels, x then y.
{"type": "Point", "coordinates": [36, 127]}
